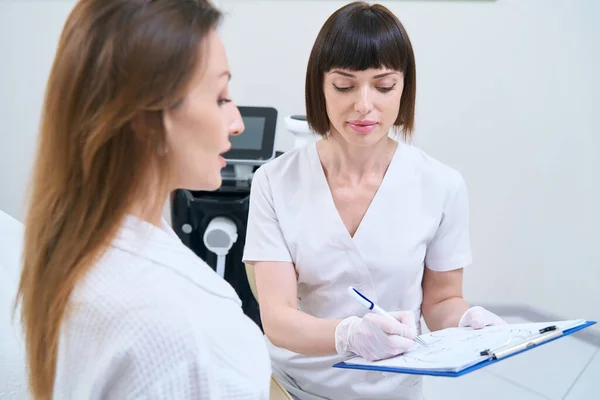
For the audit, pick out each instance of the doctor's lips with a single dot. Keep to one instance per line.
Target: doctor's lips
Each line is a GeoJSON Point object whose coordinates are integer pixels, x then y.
{"type": "Point", "coordinates": [362, 126]}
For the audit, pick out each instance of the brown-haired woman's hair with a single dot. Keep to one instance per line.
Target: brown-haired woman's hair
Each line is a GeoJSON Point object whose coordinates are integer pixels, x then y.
{"type": "Point", "coordinates": [357, 37]}
{"type": "Point", "coordinates": [117, 61]}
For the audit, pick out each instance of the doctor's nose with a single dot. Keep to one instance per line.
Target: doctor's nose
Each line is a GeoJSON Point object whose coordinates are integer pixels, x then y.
{"type": "Point", "coordinates": [363, 104]}
{"type": "Point", "coordinates": [236, 126]}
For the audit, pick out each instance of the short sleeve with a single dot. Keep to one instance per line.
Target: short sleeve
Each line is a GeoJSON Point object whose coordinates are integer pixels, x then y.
{"type": "Point", "coordinates": [450, 247]}
{"type": "Point", "coordinates": [264, 237]}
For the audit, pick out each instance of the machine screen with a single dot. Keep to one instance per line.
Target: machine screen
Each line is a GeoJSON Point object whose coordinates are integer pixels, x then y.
{"type": "Point", "coordinates": [252, 137]}
{"type": "Point", "coordinates": [255, 145]}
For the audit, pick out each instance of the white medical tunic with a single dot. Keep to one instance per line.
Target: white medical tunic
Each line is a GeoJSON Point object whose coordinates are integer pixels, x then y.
{"type": "Point", "coordinates": [151, 320]}
{"type": "Point", "coordinates": [419, 216]}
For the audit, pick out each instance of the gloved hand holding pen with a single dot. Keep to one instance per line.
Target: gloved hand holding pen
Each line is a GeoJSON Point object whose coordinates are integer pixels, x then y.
{"type": "Point", "coordinates": [377, 335]}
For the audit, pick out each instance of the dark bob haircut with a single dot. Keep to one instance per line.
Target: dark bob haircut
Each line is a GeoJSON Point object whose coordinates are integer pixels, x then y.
{"type": "Point", "coordinates": [357, 37]}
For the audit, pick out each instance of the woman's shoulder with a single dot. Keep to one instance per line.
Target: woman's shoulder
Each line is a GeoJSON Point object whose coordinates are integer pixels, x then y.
{"type": "Point", "coordinates": [144, 342]}
{"type": "Point", "coordinates": [139, 304]}
{"type": "Point", "coordinates": [432, 171]}
{"type": "Point", "coordinates": [151, 319]}
{"type": "Point", "coordinates": [153, 272]}
{"type": "Point", "coordinates": [121, 281]}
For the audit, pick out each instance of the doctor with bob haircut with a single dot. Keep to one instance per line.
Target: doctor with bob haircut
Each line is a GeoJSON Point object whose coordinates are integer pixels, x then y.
{"type": "Point", "coordinates": [362, 209]}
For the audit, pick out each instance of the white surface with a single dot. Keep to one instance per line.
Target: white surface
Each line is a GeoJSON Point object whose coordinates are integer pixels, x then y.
{"type": "Point", "coordinates": [563, 360]}
{"type": "Point", "coordinates": [532, 376]}
{"type": "Point", "coordinates": [12, 347]}
{"type": "Point", "coordinates": [586, 387]}
{"type": "Point", "coordinates": [508, 93]}
{"type": "Point", "coordinates": [29, 32]}
{"type": "Point", "coordinates": [476, 386]}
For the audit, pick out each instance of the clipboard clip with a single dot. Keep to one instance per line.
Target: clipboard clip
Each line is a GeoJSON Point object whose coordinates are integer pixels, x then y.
{"type": "Point", "coordinates": [544, 335]}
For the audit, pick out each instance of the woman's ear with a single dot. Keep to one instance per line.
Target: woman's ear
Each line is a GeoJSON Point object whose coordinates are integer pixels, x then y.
{"type": "Point", "coordinates": [148, 125]}
{"type": "Point", "coordinates": [166, 121]}
{"type": "Point", "coordinates": [137, 126]}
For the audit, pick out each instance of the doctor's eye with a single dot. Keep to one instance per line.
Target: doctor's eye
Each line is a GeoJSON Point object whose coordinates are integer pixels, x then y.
{"type": "Point", "coordinates": [385, 89]}
{"type": "Point", "coordinates": [342, 89]}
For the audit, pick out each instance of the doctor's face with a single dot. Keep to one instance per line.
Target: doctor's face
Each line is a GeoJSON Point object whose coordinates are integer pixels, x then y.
{"type": "Point", "coordinates": [198, 129]}
{"type": "Point", "coordinates": [362, 106]}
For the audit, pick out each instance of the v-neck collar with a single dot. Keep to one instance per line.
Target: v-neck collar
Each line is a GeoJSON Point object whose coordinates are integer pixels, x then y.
{"type": "Point", "coordinates": [323, 184]}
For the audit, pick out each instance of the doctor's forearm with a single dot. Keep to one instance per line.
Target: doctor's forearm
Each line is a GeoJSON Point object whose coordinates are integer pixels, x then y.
{"type": "Point", "coordinates": [299, 332]}
{"type": "Point", "coordinates": [444, 314]}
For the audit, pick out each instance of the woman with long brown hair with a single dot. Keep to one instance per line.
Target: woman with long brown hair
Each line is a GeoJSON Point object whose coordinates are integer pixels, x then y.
{"type": "Point", "coordinates": [113, 304]}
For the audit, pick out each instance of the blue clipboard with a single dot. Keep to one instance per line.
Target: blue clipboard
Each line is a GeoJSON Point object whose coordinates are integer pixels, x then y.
{"type": "Point", "coordinates": [462, 372]}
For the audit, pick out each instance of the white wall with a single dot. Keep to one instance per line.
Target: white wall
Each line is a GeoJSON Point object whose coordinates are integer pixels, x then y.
{"type": "Point", "coordinates": [29, 32]}
{"type": "Point", "coordinates": [507, 92]}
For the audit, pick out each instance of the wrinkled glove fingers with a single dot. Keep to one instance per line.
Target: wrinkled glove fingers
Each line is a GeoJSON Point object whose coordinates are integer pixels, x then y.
{"type": "Point", "coordinates": [476, 319]}
{"type": "Point", "coordinates": [400, 344]}
{"type": "Point", "coordinates": [386, 346]}
{"type": "Point", "coordinates": [407, 318]}
{"type": "Point", "coordinates": [390, 325]}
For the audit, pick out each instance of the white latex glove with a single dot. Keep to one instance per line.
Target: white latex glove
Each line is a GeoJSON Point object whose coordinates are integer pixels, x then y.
{"type": "Point", "coordinates": [375, 337]}
{"type": "Point", "coordinates": [478, 317]}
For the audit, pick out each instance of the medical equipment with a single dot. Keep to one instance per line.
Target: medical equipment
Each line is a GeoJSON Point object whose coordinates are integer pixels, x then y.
{"type": "Point", "coordinates": [298, 125]}
{"type": "Point", "coordinates": [213, 223]}
{"type": "Point", "coordinates": [219, 237]}
{"type": "Point", "coordinates": [256, 144]}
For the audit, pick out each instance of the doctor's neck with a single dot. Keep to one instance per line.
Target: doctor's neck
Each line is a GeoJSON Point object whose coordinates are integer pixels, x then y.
{"type": "Point", "coordinates": [353, 162]}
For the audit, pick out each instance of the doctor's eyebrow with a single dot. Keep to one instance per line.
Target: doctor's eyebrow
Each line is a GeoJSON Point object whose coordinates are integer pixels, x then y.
{"type": "Point", "coordinates": [378, 76]}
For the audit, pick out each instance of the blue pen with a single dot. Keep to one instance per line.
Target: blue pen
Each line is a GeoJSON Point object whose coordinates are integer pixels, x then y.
{"type": "Point", "coordinates": [365, 302]}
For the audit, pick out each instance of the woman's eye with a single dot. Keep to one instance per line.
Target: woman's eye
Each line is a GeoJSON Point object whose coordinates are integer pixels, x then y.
{"type": "Point", "coordinates": [385, 89]}
{"type": "Point", "coordinates": [220, 102]}
{"type": "Point", "coordinates": [342, 89]}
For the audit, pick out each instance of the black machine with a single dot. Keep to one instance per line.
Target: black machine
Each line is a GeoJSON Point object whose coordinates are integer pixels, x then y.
{"type": "Point", "coordinates": [213, 224]}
